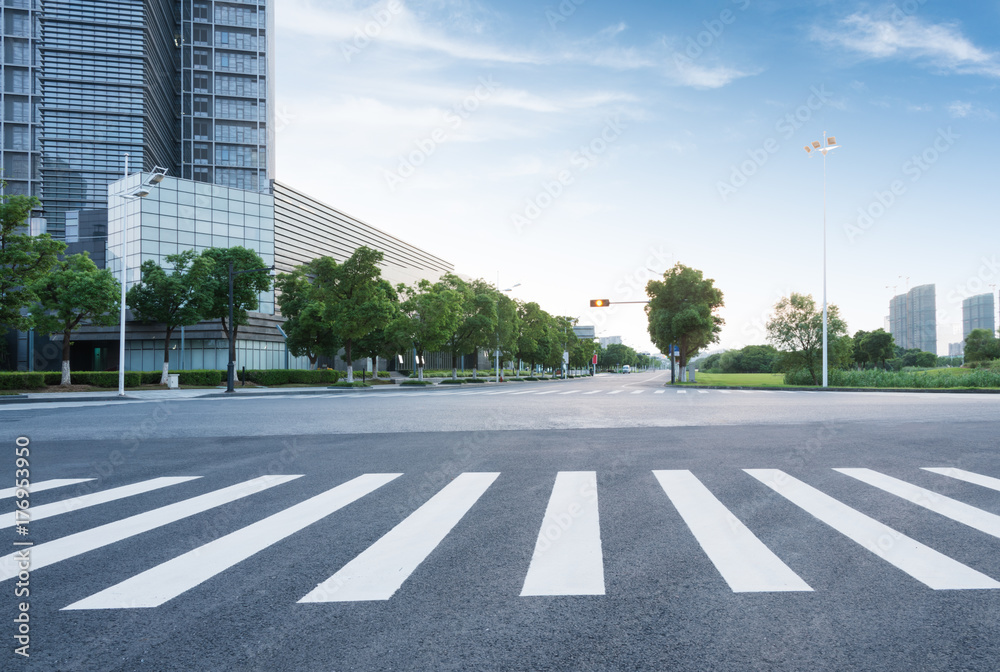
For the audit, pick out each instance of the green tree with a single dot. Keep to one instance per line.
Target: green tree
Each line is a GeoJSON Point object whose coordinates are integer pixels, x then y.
{"type": "Point", "coordinates": [981, 345]}
{"type": "Point", "coordinates": [173, 300]}
{"type": "Point", "coordinates": [682, 311]}
{"type": "Point", "coordinates": [24, 260]}
{"type": "Point", "coordinates": [247, 287]}
{"type": "Point", "coordinates": [477, 322]}
{"type": "Point", "coordinates": [508, 328]}
{"type": "Point", "coordinates": [302, 300]}
{"type": "Point", "coordinates": [860, 356]}
{"type": "Point", "coordinates": [72, 292]}
{"type": "Point", "coordinates": [750, 359]}
{"type": "Point", "coordinates": [533, 343]}
{"type": "Point", "coordinates": [427, 316]}
{"type": "Point", "coordinates": [796, 328]}
{"type": "Point", "coordinates": [877, 347]}
{"type": "Point", "coordinates": [359, 302]}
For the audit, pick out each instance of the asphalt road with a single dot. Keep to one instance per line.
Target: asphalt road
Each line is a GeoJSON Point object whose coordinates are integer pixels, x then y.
{"type": "Point", "coordinates": [599, 524]}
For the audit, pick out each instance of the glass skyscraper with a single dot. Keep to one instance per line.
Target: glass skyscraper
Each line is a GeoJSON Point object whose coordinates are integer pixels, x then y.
{"type": "Point", "coordinates": [182, 84]}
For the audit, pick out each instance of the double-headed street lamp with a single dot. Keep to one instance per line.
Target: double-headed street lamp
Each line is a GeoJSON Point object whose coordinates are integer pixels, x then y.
{"type": "Point", "coordinates": [231, 367]}
{"type": "Point", "coordinates": [824, 148]}
{"type": "Point", "coordinates": [141, 192]}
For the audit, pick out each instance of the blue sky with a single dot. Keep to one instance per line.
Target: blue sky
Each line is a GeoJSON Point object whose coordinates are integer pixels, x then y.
{"type": "Point", "coordinates": [580, 148]}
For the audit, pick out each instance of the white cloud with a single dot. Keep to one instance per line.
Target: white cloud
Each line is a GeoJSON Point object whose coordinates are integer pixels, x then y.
{"type": "Point", "coordinates": [903, 36]}
{"type": "Point", "coordinates": [962, 109]}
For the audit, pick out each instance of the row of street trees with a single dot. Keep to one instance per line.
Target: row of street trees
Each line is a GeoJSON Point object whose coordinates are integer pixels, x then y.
{"type": "Point", "coordinates": [331, 306]}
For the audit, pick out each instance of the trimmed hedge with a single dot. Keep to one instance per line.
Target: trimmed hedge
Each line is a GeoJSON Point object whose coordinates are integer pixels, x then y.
{"type": "Point", "coordinates": [203, 377]}
{"type": "Point", "coordinates": [449, 381]}
{"type": "Point", "coordinates": [475, 380]}
{"type": "Point", "coordinates": [356, 383]}
{"type": "Point", "coordinates": [293, 376]}
{"type": "Point", "coordinates": [18, 380]}
{"type": "Point", "coordinates": [419, 383]}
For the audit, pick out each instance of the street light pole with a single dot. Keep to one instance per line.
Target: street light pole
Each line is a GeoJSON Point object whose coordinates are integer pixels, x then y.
{"type": "Point", "coordinates": [824, 148]}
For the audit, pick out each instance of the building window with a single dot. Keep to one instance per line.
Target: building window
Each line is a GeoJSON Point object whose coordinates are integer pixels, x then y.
{"type": "Point", "coordinates": [201, 59]}
{"type": "Point", "coordinates": [202, 106]}
{"type": "Point", "coordinates": [200, 11]}
{"type": "Point", "coordinates": [202, 129]}
{"type": "Point", "coordinates": [201, 82]}
{"type": "Point", "coordinates": [201, 34]}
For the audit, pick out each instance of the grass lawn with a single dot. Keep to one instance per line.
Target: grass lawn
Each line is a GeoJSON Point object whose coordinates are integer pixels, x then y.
{"type": "Point", "coordinates": [738, 379]}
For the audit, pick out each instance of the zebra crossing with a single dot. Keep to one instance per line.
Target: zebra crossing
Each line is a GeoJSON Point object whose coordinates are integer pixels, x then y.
{"type": "Point", "coordinates": [515, 392]}
{"type": "Point", "coordinates": [568, 557]}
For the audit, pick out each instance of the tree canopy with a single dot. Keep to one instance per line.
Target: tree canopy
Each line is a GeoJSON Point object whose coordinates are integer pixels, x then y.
{"type": "Point", "coordinates": [24, 260]}
{"type": "Point", "coordinates": [70, 293]}
{"type": "Point", "coordinates": [796, 328]}
{"type": "Point", "coordinates": [247, 287]}
{"type": "Point", "coordinates": [428, 315]}
{"type": "Point", "coordinates": [682, 311]}
{"type": "Point", "coordinates": [981, 345]}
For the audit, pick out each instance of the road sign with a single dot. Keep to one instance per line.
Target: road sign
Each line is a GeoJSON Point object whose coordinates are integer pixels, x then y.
{"type": "Point", "coordinates": [595, 360]}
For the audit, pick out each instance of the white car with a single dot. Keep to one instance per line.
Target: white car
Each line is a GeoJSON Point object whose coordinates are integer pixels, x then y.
{"type": "Point", "coordinates": [626, 369]}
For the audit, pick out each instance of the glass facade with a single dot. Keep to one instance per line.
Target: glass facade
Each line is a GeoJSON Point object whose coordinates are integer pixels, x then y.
{"type": "Point", "coordinates": [86, 82]}
{"type": "Point", "coordinates": [185, 215]}
{"type": "Point", "coordinates": [977, 313]}
{"type": "Point", "coordinates": [202, 353]}
{"type": "Point", "coordinates": [227, 93]}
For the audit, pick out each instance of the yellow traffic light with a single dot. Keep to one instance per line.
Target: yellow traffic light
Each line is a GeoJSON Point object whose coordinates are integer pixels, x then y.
{"type": "Point", "coordinates": [599, 303]}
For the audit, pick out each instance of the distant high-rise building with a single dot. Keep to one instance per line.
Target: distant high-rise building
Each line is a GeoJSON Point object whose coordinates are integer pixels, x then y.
{"type": "Point", "coordinates": [182, 84]}
{"type": "Point", "coordinates": [913, 319]}
{"type": "Point", "coordinates": [610, 340]}
{"type": "Point", "coordinates": [977, 313]}
{"type": "Point", "coordinates": [956, 349]}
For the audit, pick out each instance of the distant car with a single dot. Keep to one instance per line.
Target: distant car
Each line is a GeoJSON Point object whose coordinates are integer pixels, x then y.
{"type": "Point", "coordinates": [626, 369]}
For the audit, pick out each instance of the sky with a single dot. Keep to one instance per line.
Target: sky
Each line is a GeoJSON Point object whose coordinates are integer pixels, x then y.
{"type": "Point", "coordinates": [580, 148]}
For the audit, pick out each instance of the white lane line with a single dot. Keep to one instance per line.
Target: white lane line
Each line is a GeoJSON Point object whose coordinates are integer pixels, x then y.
{"type": "Point", "coordinates": [945, 506]}
{"type": "Point", "coordinates": [93, 499]}
{"type": "Point", "coordinates": [168, 580]}
{"type": "Point", "coordinates": [923, 563]}
{"type": "Point", "coordinates": [615, 392]}
{"type": "Point", "coordinates": [382, 568]}
{"type": "Point", "coordinates": [45, 485]}
{"type": "Point", "coordinates": [726, 391]}
{"type": "Point", "coordinates": [593, 392]}
{"type": "Point", "coordinates": [63, 548]}
{"type": "Point", "coordinates": [638, 391]}
{"type": "Point", "coordinates": [747, 565]}
{"type": "Point", "coordinates": [525, 392]}
{"type": "Point", "coordinates": [570, 392]}
{"type": "Point", "coordinates": [546, 392]}
{"type": "Point", "coordinates": [659, 391]}
{"type": "Point", "coordinates": [967, 476]}
{"type": "Point", "coordinates": [568, 559]}
{"type": "Point", "coordinates": [682, 391]}
{"type": "Point", "coordinates": [702, 391]}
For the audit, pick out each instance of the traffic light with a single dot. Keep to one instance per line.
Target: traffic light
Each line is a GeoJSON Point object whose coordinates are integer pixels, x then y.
{"type": "Point", "coordinates": [600, 303]}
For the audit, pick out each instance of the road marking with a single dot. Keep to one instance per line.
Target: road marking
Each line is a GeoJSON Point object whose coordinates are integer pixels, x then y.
{"type": "Point", "coordinates": [726, 391]}
{"type": "Point", "coordinates": [63, 548]}
{"type": "Point", "coordinates": [747, 565]}
{"type": "Point", "coordinates": [93, 499]}
{"type": "Point", "coordinates": [967, 476]}
{"type": "Point", "coordinates": [570, 392]}
{"type": "Point", "coordinates": [567, 559]}
{"type": "Point", "coordinates": [923, 563]}
{"type": "Point", "coordinates": [638, 391]}
{"type": "Point", "coordinates": [659, 391]}
{"type": "Point", "coordinates": [525, 392]}
{"type": "Point", "coordinates": [382, 568]}
{"type": "Point", "coordinates": [44, 485]}
{"type": "Point", "coordinates": [682, 391]}
{"type": "Point", "coordinates": [945, 506]}
{"type": "Point", "coordinates": [547, 392]}
{"type": "Point", "coordinates": [593, 392]}
{"type": "Point", "coordinates": [702, 391]}
{"type": "Point", "coordinates": [615, 392]}
{"type": "Point", "coordinates": [168, 580]}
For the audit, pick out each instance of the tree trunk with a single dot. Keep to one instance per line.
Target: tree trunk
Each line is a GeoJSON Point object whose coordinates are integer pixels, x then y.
{"type": "Point", "coordinates": [65, 380]}
{"type": "Point", "coordinates": [454, 366]}
{"type": "Point", "coordinates": [166, 358]}
{"type": "Point", "coordinates": [350, 364]}
{"type": "Point", "coordinates": [420, 365]}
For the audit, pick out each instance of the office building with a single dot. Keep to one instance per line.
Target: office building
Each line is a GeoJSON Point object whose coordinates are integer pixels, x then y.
{"type": "Point", "coordinates": [956, 349]}
{"type": "Point", "coordinates": [977, 313]}
{"type": "Point", "coordinates": [183, 84]}
{"type": "Point", "coordinates": [610, 340]}
{"type": "Point", "coordinates": [913, 319]}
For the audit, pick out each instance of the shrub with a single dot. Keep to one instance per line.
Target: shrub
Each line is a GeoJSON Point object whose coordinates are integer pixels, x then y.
{"type": "Point", "coordinates": [475, 380]}
{"type": "Point", "coordinates": [418, 383]}
{"type": "Point", "coordinates": [356, 383]}
{"type": "Point", "coordinates": [449, 381]}
{"type": "Point", "coordinates": [293, 376]}
{"type": "Point", "coordinates": [209, 378]}
{"type": "Point", "coordinates": [384, 374]}
{"type": "Point", "coordinates": [151, 377]}
{"type": "Point", "coordinates": [17, 380]}
{"type": "Point", "coordinates": [532, 378]}
{"type": "Point", "coordinates": [53, 377]}
{"type": "Point", "coordinates": [878, 378]}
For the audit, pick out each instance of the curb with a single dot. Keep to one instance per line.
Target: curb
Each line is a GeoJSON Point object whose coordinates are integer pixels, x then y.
{"type": "Point", "coordinates": [28, 399]}
{"type": "Point", "coordinates": [912, 390]}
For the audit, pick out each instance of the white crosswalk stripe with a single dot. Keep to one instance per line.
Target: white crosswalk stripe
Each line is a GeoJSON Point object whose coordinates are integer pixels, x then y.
{"type": "Point", "coordinates": [379, 571]}
{"type": "Point", "coordinates": [93, 499]}
{"type": "Point", "coordinates": [168, 580]}
{"type": "Point", "coordinates": [967, 476]}
{"type": "Point", "coordinates": [744, 561]}
{"type": "Point", "coordinates": [51, 552]}
{"type": "Point", "coordinates": [923, 563]}
{"type": "Point", "coordinates": [45, 485]}
{"type": "Point", "coordinates": [567, 558]}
